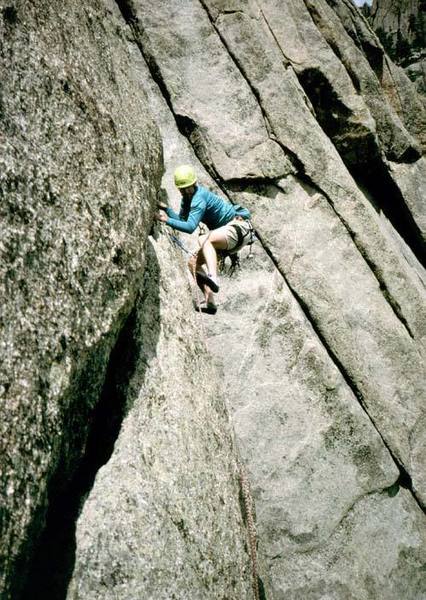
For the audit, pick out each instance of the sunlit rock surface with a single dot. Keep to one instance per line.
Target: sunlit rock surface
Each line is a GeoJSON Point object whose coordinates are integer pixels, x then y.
{"type": "Point", "coordinates": [171, 525]}
{"type": "Point", "coordinates": [114, 424]}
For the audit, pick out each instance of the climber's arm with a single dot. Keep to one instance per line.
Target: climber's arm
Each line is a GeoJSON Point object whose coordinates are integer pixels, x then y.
{"type": "Point", "coordinates": [191, 223]}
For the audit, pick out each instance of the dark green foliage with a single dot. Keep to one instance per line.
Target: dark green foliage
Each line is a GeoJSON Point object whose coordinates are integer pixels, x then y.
{"type": "Point", "coordinates": [402, 48]}
{"type": "Point", "coordinates": [417, 30]}
{"type": "Point", "coordinates": [399, 48]}
{"type": "Point", "coordinates": [366, 10]}
{"type": "Point", "coordinates": [387, 42]}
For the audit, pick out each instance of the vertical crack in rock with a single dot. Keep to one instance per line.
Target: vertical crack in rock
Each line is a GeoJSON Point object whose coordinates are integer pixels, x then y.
{"type": "Point", "coordinates": [404, 478]}
{"type": "Point", "coordinates": [237, 185]}
{"type": "Point", "coordinates": [335, 49]}
{"type": "Point", "coordinates": [377, 181]}
{"type": "Point", "coordinates": [186, 126]}
{"type": "Point", "coordinates": [372, 174]}
{"type": "Point", "coordinates": [171, 527]}
{"type": "Point", "coordinates": [191, 131]}
{"type": "Point", "coordinates": [54, 556]}
{"type": "Point", "coordinates": [290, 155]}
{"type": "Point", "coordinates": [287, 61]}
{"type": "Point", "coordinates": [396, 88]}
{"type": "Point", "coordinates": [295, 161]}
{"type": "Point", "coordinates": [240, 69]}
{"type": "Point", "coordinates": [373, 53]}
{"type": "Point", "coordinates": [129, 15]}
{"type": "Point", "coordinates": [373, 267]}
{"type": "Point", "coordinates": [389, 199]}
{"type": "Point", "coordinates": [363, 160]}
{"type": "Point", "coordinates": [333, 117]}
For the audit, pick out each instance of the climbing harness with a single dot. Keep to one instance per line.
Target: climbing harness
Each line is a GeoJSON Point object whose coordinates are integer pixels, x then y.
{"type": "Point", "coordinates": [243, 239]}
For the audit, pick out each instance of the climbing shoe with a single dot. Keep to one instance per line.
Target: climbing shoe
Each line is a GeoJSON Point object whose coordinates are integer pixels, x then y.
{"type": "Point", "coordinates": [205, 279]}
{"type": "Point", "coordinates": [209, 308]}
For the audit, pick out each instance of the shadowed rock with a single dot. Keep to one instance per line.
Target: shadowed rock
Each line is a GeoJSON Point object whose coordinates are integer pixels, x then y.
{"type": "Point", "coordinates": [295, 111]}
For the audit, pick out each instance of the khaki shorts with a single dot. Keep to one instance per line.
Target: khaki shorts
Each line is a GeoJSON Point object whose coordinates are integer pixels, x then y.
{"type": "Point", "coordinates": [232, 235]}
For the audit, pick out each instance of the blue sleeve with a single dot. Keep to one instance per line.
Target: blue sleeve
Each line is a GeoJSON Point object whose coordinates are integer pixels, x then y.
{"type": "Point", "coordinates": [196, 213]}
{"type": "Point", "coordinates": [171, 213]}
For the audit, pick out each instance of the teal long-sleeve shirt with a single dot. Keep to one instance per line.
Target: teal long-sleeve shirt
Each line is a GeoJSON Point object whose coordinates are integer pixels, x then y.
{"type": "Point", "coordinates": [204, 206]}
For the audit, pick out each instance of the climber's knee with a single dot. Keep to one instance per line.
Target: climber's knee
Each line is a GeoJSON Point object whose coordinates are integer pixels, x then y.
{"type": "Point", "coordinates": [202, 239]}
{"type": "Point", "coordinates": [192, 262]}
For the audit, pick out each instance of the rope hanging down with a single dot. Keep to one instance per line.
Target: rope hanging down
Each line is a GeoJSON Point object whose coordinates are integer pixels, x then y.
{"type": "Point", "coordinates": [175, 240]}
{"type": "Point", "coordinates": [179, 243]}
{"type": "Point", "coordinates": [251, 526]}
{"type": "Point", "coordinates": [242, 474]}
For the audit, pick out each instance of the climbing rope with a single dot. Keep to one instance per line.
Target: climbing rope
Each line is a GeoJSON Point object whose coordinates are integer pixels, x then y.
{"type": "Point", "coordinates": [175, 240]}
{"type": "Point", "coordinates": [251, 527]}
{"type": "Point", "coordinates": [242, 473]}
{"type": "Point", "coordinates": [179, 243]}
{"type": "Point", "coordinates": [199, 300]}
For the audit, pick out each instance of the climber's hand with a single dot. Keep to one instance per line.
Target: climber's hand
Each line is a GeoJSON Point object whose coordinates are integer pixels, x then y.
{"type": "Point", "coordinates": [161, 216]}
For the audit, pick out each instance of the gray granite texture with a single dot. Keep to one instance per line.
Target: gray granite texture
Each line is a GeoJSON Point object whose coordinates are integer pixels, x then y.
{"type": "Point", "coordinates": [126, 414]}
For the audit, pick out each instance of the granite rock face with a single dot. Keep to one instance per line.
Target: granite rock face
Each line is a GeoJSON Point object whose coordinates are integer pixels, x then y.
{"type": "Point", "coordinates": [171, 526]}
{"type": "Point", "coordinates": [333, 517]}
{"type": "Point", "coordinates": [80, 165]}
{"type": "Point", "coordinates": [353, 157]}
{"type": "Point", "coordinates": [81, 169]}
{"type": "Point", "coordinates": [116, 426]}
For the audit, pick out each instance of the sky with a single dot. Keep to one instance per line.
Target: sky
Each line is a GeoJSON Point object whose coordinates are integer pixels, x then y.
{"type": "Point", "coordinates": [361, 2]}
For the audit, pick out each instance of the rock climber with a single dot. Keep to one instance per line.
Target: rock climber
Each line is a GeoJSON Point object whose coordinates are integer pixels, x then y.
{"type": "Point", "coordinates": [228, 224]}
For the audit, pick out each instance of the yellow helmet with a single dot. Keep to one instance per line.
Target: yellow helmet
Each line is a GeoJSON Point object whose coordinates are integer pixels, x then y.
{"type": "Point", "coordinates": [185, 176]}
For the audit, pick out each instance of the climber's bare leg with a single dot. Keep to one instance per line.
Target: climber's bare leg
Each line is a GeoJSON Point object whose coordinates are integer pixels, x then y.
{"type": "Point", "coordinates": [208, 244]}
{"type": "Point", "coordinates": [196, 263]}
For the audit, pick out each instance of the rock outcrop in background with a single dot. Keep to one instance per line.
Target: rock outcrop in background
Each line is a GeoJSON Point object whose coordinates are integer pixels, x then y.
{"type": "Point", "coordinates": [119, 467]}
{"type": "Point", "coordinates": [401, 27]}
